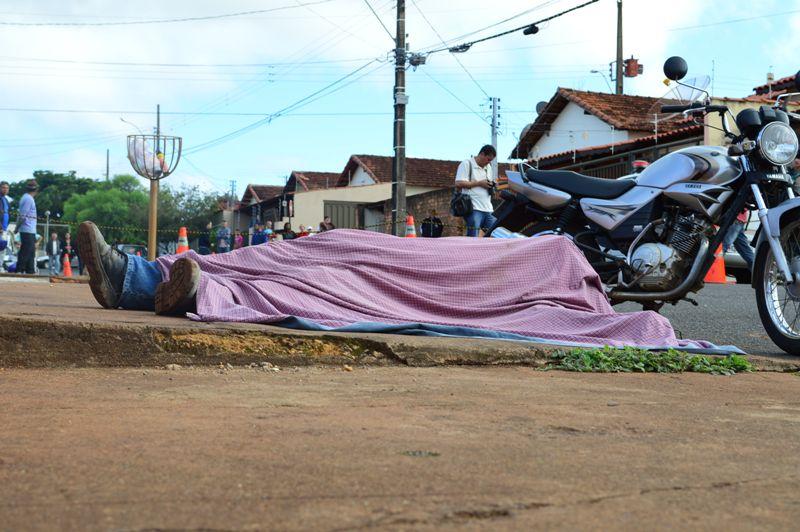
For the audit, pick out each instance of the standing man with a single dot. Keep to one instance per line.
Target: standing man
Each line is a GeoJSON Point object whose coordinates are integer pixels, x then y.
{"type": "Point", "coordinates": [223, 238]}
{"type": "Point", "coordinates": [474, 177]}
{"type": "Point", "coordinates": [5, 205]}
{"type": "Point", "coordinates": [54, 250]}
{"type": "Point", "coordinates": [26, 227]}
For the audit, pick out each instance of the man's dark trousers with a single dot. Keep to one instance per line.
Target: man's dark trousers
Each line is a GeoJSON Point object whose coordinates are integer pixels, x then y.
{"type": "Point", "coordinates": [27, 253]}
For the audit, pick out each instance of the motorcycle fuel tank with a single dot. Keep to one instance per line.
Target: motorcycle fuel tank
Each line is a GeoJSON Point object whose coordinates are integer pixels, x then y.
{"type": "Point", "coordinates": [705, 164]}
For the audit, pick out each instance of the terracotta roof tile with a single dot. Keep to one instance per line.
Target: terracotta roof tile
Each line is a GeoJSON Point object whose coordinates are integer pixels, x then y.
{"type": "Point", "coordinates": [778, 86]}
{"type": "Point", "coordinates": [622, 111]}
{"type": "Point", "coordinates": [260, 193]}
{"type": "Point", "coordinates": [420, 172]}
{"type": "Point", "coordinates": [315, 180]}
{"type": "Point", "coordinates": [687, 131]}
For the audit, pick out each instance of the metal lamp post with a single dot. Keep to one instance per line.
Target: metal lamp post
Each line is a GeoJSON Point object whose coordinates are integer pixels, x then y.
{"type": "Point", "coordinates": [154, 157]}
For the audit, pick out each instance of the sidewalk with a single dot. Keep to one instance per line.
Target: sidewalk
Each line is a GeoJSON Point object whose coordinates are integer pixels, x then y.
{"type": "Point", "coordinates": [60, 325]}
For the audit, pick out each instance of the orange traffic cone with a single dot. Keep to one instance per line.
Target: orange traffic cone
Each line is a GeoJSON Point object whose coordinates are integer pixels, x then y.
{"type": "Point", "coordinates": [716, 274]}
{"type": "Point", "coordinates": [411, 231]}
{"type": "Point", "coordinates": [183, 241]}
{"type": "Point", "coordinates": [67, 272]}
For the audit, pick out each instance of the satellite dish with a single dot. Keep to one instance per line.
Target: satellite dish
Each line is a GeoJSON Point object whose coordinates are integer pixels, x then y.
{"type": "Point", "coordinates": [525, 130]}
{"type": "Point", "coordinates": [540, 107]}
{"type": "Point", "coordinates": [679, 95]}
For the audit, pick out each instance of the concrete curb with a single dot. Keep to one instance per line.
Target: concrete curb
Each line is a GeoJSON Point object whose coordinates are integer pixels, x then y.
{"type": "Point", "coordinates": [40, 343]}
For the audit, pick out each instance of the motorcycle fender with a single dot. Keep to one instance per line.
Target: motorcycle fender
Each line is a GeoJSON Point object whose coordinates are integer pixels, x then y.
{"type": "Point", "coordinates": [776, 218]}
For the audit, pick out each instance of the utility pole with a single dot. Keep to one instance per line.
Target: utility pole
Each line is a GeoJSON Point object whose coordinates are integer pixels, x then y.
{"type": "Point", "coordinates": [152, 240]}
{"type": "Point", "coordinates": [233, 205]}
{"type": "Point", "coordinates": [107, 164]}
{"type": "Point", "coordinates": [400, 101]}
{"type": "Point", "coordinates": [620, 75]}
{"type": "Point", "coordinates": [495, 125]}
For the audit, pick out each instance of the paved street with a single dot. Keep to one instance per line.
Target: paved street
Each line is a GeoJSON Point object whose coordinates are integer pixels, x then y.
{"type": "Point", "coordinates": [396, 448]}
{"type": "Point", "coordinates": [726, 314]}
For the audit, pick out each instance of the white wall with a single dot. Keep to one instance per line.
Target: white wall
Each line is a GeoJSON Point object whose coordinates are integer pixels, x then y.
{"type": "Point", "coordinates": [360, 178]}
{"type": "Point", "coordinates": [573, 130]}
{"type": "Point", "coordinates": [309, 207]}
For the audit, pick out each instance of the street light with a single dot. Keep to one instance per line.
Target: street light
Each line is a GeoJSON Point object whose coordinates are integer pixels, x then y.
{"type": "Point", "coordinates": [608, 84]}
{"type": "Point", "coordinates": [154, 157]}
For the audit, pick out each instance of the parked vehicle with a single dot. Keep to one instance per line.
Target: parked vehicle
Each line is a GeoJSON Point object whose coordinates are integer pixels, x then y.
{"type": "Point", "coordinates": [132, 249]}
{"type": "Point", "coordinates": [652, 239]}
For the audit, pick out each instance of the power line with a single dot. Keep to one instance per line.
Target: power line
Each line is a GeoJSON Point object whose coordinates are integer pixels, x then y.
{"type": "Point", "coordinates": [170, 65]}
{"type": "Point", "coordinates": [389, 33]}
{"type": "Point", "coordinates": [735, 20]}
{"type": "Point", "coordinates": [463, 47]}
{"type": "Point", "coordinates": [454, 56]}
{"type": "Point", "coordinates": [454, 95]}
{"type": "Point", "coordinates": [213, 113]}
{"type": "Point", "coordinates": [165, 20]}
{"type": "Point", "coordinates": [512, 17]}
{"type": "Point", "coordinates": [303, 101]}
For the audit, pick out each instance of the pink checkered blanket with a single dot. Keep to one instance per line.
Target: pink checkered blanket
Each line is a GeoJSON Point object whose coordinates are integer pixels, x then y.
{"type": "Point", "coordinates": [540, 288]}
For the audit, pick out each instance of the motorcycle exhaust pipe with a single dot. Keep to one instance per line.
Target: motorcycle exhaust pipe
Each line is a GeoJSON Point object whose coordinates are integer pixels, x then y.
{"type": "Point", "coordinates": [672, 295]}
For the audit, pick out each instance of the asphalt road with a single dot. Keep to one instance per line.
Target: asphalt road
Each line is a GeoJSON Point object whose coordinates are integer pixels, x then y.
{"type": "Point", "coordinates": [725, 315]}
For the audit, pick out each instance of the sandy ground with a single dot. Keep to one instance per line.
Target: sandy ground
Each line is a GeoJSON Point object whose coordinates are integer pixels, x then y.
{"type": "Point", "coordinates": [396, 448]}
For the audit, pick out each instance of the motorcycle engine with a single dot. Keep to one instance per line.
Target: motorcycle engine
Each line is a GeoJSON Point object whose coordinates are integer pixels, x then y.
{"type": "Point", "coordinates": [662, 264]}
{"type": "Point", "coordinates": [659, 263]}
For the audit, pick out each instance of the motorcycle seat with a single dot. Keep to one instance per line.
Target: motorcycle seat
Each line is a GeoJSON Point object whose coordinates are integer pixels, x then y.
{"type": "Point", "coordinates": [581, 185]}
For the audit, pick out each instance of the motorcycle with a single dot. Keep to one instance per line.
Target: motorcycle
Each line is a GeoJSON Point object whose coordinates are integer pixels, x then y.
{"type": "Point", "coordinates": [653, 238]}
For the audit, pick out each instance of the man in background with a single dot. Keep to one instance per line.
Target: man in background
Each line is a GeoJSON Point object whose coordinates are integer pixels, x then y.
{"type": "Point", "coordinates": [53, 250]}
{"type": "Point", "coordinates": [26, 227]}
{"type": "Point", "coordinates": [223, 238]}
{"type": "Point", "coordinates": [5, 205]}
{"type": "Point", "coordinates": [474, 178]}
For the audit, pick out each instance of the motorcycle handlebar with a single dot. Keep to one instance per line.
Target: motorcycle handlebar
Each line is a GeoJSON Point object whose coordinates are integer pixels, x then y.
{"type": "Point", "coordinates": [674, 108]}
{"type": "Point", "coordinates": [696, 105]}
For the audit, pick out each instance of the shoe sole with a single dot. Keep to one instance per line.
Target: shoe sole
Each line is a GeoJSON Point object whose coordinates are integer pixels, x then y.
{"type": "Point", "coordinates": [177, 296]}
{"type": "Point", "coordinates": [101, 287]}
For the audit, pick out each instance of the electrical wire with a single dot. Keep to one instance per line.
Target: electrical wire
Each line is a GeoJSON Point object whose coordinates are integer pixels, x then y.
{"type": "Point", "coordinates": [164, 20]}
{"type": "Point", "coordinates": [507, 19]}
{"type": "Point", "coordinates": [267, 119]}
{"type": "Point", "coordinates": [464, 68]}
{"type": "Point", "coordinates": [465, 46]}
{"type": "Point", "coordinates": [389, 33]}
{"type": "Point", "coordinates": [256, 84]}
{"type": "Point", "coordinates": [171, 65]}
{"type": "Point", "coordinates": [454, 95]}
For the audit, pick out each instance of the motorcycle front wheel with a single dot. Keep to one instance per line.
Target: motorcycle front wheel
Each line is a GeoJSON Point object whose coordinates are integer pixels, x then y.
{"type": "Point", "coordinates": [778, 310]}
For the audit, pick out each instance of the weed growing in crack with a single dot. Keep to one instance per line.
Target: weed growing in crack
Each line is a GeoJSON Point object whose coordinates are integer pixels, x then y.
{"type": "Point", "coordinates": [631, 359]}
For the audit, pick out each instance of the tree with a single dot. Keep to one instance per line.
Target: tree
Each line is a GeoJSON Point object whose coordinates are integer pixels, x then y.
{"type": "Point", "coordinates": [54, 189]}
{"type": "Point", "coordinates": [121, 215]}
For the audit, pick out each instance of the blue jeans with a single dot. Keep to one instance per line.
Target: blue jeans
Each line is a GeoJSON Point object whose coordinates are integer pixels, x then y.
{"type": "Point", "coordinates": [738, 239]}
{"type": "Point", "coordinates": [479, 220]}
{"type": "Point", "coordinates": [139, 288]}
{"type": "Point", "coordinates": [55, 264]}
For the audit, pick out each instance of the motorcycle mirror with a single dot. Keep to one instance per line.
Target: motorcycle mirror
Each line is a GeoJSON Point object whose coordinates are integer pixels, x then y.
{"type": "Point", "coordinates": [797, 81]}
{"type": "Point", "coordinates": [675, 68]}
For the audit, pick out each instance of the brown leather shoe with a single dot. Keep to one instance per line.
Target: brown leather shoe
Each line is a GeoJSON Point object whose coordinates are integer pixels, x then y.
{"type": "Point", "coordinates": [106, 265]}
{"type": "Point", "coordinates": [177, 296]}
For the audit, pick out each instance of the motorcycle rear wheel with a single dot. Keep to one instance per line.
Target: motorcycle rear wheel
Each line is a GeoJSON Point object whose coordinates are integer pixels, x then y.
{"type": "Point", "coordinates": [778, 310]}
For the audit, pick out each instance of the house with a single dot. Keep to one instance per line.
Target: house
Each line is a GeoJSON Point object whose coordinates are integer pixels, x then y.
{"type": "Point", "coordinates": [365, 180]}
{"type": "Point", "coordinates": [573, 120]}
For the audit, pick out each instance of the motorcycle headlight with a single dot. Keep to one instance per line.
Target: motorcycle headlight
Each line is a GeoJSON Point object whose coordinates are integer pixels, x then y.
{"type": "Point", "coordinates": [778, 143]}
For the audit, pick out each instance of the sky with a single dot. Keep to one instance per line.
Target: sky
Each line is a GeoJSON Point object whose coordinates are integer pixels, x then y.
{"type": "Point", "coordinates": [73, 90]}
